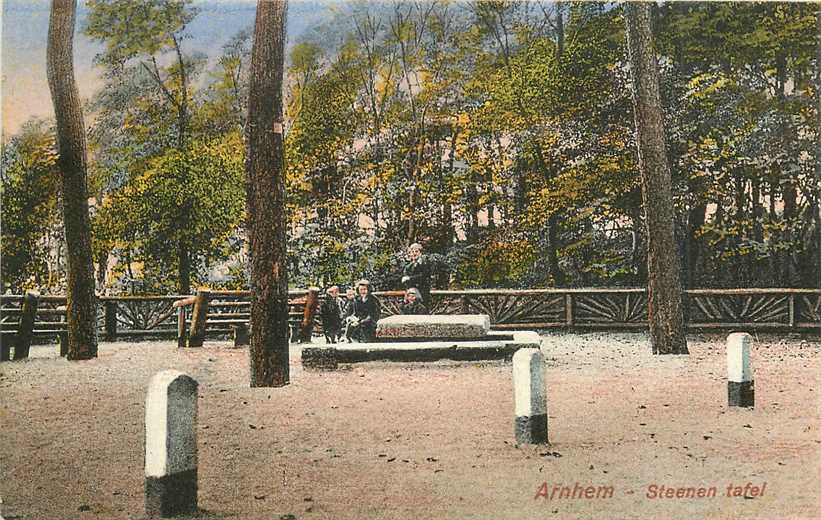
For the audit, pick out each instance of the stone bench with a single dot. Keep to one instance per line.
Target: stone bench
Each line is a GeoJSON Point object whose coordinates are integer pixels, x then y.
{"type": "Point", "coordinates": [329, 357]}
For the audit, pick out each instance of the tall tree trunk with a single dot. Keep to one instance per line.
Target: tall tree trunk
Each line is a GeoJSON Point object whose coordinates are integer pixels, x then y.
{"type": "Point", "coordinates": [639, 250]}
{"type": "Point", "coordinates": [667, 334]}
{"type": "Point", "coordinates": [265, 186]}
{"type": "Point", "coordinates": [81, 311]}
{"type": "Point", "coordinates": [816, 199]}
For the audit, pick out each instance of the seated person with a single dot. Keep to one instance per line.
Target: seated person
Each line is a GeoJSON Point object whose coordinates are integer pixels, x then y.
{"type": "Point", "coordinates": [413, 303]}
{"type": "Point", "coordinates": [361, 323]}
{"type": "Point", "coordinates": [331, 313]}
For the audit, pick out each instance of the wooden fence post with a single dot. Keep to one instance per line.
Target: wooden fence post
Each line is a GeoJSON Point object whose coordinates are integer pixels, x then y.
{"type": "Point", "coordinates": [199, 317]}
{"type": "Point", "coordinates": [568, 309]}
{"type": "Point", "coordinates": [110, 320]}
{"type": "Point", "coordinates": [311, 303]}
{"type": "Point", "coordinates": [792, 311]}
{"type": "Point", "coordinates": [25, 330]}
{"type": "Point", "coordinates": [181, 330]}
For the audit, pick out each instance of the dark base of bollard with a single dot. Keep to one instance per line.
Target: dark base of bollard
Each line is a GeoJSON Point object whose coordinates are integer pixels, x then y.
{"type": "Point", "coordinates": [741, 394]}
{"type": "Point", "coordinates": [531, 430]}
{"type": "Point", "coordinates": [171, 495]}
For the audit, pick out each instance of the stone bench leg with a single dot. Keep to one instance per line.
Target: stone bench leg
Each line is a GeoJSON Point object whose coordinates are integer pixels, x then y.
{"type": "Point", "coordinates": [241, 335]}
{"type": "Point", "coordinates": [64, 343]}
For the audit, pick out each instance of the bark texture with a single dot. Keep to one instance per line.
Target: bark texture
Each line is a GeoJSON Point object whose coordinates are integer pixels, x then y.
{"type": "Point", "coordinates": [81, 308]}
{"type": "Point", "coordinates": [667, 331]}
{"type": "Point", "coordinates": [816, 203]}
{"type": "Point", "coordinates": [265, 187]}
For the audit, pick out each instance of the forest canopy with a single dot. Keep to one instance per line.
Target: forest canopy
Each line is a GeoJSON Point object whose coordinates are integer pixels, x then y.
{"type": "Point", "coordinates": [498, 134]}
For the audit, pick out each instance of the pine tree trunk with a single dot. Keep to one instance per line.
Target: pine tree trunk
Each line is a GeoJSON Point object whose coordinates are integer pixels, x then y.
{"type": "Point", "coordinates": [81, 311]}
{"type": "Point", "coordinates": [265, 187]}
{"type": "Point", "coordinates": [816, 205]}
{"type": "Point", "coordinates": [667, 334]}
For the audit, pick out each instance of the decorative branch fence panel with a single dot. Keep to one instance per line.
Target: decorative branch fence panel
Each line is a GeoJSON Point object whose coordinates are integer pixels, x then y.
{"type": "Point", "coordinates": [626, 308]}
{"type": "Point", "coordinates": [722, 309]}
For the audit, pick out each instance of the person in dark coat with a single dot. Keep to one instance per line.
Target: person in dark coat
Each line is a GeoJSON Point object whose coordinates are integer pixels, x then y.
{"type": "Point", "coordinates": [417, 272]}
{"type": "Point", "coordinates": [413, 303]}
{"type": "Point", "coordinates": [361, 325]}
{"type": "Point", "coordinates": [331, 312]}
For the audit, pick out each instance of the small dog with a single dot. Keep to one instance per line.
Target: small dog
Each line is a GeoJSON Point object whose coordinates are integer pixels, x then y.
{"type": "Point", "coordinates": [351, 323]}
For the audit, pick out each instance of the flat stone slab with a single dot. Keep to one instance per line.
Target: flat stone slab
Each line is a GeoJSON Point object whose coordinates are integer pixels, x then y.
{"type": "Point", "coordinates": [329, 357]}
{"type": "Point", "coordinates": [433, 326]}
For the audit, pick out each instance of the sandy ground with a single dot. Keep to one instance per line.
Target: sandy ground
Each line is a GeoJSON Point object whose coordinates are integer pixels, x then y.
{"type": "Point", "coordinates": [384, 440]}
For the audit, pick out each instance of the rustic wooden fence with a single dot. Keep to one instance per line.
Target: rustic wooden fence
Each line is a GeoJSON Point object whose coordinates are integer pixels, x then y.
{"type": "Point", "coordinates": [24, 317]}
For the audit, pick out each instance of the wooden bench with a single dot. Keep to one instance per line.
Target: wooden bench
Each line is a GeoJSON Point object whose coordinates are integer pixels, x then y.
{"type": "Point", "coordinates": [24, 317]}
{"type": "Point", "coordinates": [229, 312]}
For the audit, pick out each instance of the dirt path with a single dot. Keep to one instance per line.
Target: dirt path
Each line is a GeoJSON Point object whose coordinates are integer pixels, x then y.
{"type": "Point", "coordinates": [423, 440]}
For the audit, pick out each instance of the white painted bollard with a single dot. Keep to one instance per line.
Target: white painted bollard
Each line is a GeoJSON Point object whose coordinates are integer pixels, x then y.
{"type": "Point", "coordinates": [740, 384]}
{"type": "Point", "coordinates": [529, 396]}
{"type": "Point", "coordinates": [171, 445]}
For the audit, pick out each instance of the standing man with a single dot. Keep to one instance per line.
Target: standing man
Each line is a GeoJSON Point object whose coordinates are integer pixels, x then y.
{"type": "Point", "coordinates": [417, 273]}
{"type": "Point", "coordinates": [331, 312]}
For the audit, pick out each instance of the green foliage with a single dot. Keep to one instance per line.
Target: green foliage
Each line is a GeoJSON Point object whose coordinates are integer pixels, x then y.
{"type": "Point", "coordinates": [29, 209]}
{"type": "Point", "coordinates": [500, 261]}
{"type": "Point", "coordinates": [131, 29]}
{"type": "Point", "coordinates": [491, 132]}
{"type": "Point", "coordinates": [195, 197]}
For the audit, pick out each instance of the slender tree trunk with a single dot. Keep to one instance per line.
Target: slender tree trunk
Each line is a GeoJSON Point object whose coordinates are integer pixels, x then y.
{"type": "Point", "coordinates": [447, 232]}
{"type": "Point", "coordinates": [81, 310]}
{"type": "Point", "coordinates": [667, 334]}
{"type": "Point", "coordinates": [695, 220]}
{"type": "Point", "coordinates": [772, 217]}
{"type": "Point", "coordinates": [716, 269]}
{"type": "Point", "coordinates": [787, 180]}
{"type": "Point", "coordinates": [740, 275]}
{"type": "Point", "coordinates": [757, 233]}
{"type": "Point", "coordinates": [265, 186]}
{"type": "Point", "coordinates": [183, 267]}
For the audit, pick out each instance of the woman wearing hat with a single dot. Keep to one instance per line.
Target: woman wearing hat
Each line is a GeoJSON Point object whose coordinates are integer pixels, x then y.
{"type": "Point", "coordinates": [413, 303]}
{"type": "Point", "coordinates": [365, 314]}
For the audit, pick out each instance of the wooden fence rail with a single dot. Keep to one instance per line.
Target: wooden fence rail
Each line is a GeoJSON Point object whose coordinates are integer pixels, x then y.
{"type": "Point", "coordinates": [123, 317]}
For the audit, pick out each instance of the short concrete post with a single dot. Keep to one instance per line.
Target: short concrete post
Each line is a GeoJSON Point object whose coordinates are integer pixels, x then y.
{"type": "Point", "coordinates": [529, 396]}
{"type": "Point", "coordinates": [740, 384]}
{"type": "Point", "coordinates": [171, 445]}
